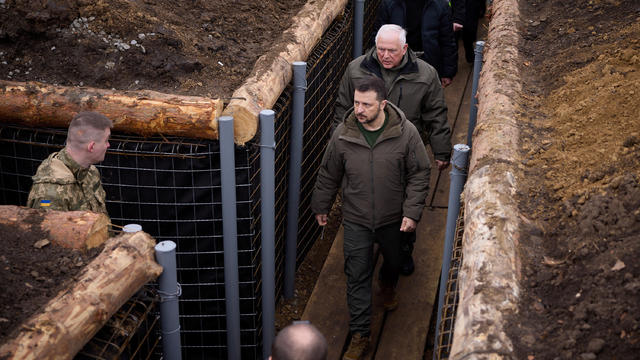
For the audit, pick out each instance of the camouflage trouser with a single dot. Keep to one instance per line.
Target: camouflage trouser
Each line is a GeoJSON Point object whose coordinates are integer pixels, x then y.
{"type": "Point", "coordinates": [359, 265]}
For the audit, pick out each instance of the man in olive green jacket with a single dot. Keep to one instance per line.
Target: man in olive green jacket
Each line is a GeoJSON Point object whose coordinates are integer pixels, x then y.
{"type": "Point", "coordinates": [67, 180]}
{"type": "Point", "coordinates": [382, 160]}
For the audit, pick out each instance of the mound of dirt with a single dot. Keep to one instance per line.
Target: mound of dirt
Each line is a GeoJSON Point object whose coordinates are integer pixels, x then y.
{"type": "Point", "coordinates": [199, 47]}
{"type": "Point", "coordinates": [32, 274]}
{"type": "Point", "coordinates": [581, 277]}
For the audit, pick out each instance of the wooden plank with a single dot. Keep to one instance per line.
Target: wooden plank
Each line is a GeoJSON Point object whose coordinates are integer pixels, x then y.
{"type": "Point", "coordinates": [327, 305]}
{"type": "Point", "coordinates": [406, 328]}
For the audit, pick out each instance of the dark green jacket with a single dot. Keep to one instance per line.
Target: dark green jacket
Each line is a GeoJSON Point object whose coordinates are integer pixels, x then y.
{"type": "Point", "coordinates": [382, 183]}
{"type": "Point", "coordinates": [67, 186]}
{"type": "Point", "coordinates": [416, 91]}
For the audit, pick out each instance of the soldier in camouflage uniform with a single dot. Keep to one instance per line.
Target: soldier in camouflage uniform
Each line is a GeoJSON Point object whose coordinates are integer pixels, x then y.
{"type": "Point", "coordinates": [67, 180]}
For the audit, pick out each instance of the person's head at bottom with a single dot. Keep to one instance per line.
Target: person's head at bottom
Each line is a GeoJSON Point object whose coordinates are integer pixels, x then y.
{"type": "Point", "coordinates": [299, 341]}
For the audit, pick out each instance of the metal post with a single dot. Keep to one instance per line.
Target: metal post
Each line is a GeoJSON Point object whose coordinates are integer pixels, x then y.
{"type": "Point", "coordinates": [295, 160]}
{"type": "Point", "coordinates": [268, 223]}
{"type": "Point", "coordinates": [230, 235]}
{"type": "Point", "coordinates": [473, 112]}
{"type": "Point", "coordinates": [458, 176]}
{"type": "Point", "coordinates": [131, 228]}
{"type": "Point", "coordinates": [358, 21]}
{"type": "Point", "coordinates": [169, 292]}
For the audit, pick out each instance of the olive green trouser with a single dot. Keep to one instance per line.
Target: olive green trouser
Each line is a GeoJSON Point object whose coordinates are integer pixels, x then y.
{"type": "Point", "coordinates": [359, 265]}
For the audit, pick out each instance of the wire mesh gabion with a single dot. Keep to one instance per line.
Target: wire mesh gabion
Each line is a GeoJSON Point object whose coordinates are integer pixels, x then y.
{"type": "Point", "coordinates": [171, 186]}
{"type": "Point", "coordinates": [132, 333]}
{"type": "Point", "coordinates": [445, 334]}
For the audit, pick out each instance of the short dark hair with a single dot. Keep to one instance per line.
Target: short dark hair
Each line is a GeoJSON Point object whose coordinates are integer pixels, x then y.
{"type": "Point", "coordinates": [85, 126]}
{"type": "Point", "coordinates": [372, 83]}
{"type": "Point", "coordinates": [299, 342]}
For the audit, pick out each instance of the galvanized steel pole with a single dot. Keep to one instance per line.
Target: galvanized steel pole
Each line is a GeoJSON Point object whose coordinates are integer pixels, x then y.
{"type": "Point", "coordinates": [295, 161]}
{"type": "Point", "coordinates": [473, 112]}
{"type": "Point", "coordinates": [358, 21]}
{"type": "Point", "coordinates": [230, 235]}
{"type": "Point", "coordinates": [169, 292]}
{"type": "Point", "coordinates": [267, 211]}
{"type": "Point", "coordinates": [458, 177]}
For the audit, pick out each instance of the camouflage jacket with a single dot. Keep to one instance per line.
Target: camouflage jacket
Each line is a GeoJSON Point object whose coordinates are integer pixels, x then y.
{"type": "Point", "coordinates": [60, 183]}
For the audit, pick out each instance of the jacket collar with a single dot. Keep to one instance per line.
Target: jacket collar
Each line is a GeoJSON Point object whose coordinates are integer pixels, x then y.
{"type": "Point", "coordinates": [78, 171]}
{"type": "Point", "coordinates": [394, 127]}
{"type": "Point", "coordinates": [370, 63]}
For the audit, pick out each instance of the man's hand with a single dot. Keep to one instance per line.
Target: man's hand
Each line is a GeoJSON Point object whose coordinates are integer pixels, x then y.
{"type": "Point", "coordinates": [408, 225]}
{"type": "Point", "coordinates": [457, 27]}
{"type": "Point", "coordinates": [442, 164]}
{"type": "Point", "coordinates": [445, 82]}
{"type": "Point", "coordinates": [321, 219]}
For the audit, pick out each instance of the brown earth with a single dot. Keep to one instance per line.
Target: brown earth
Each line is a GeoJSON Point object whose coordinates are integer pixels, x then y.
{"type": "Point", "coordinates": [196, 47]}
{"type": "Point", "coordinates": [581, 164]}
{"type": "Point", "coordinates": [32, 274]}
{"type": "Point", "coordinates": [199, 47]}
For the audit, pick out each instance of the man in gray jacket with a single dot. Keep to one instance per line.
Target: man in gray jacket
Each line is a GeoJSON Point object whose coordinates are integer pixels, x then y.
{"type": "Point", "coordinates": [414, 87]}
{"type": "Point", "coordinates": [377, 156]}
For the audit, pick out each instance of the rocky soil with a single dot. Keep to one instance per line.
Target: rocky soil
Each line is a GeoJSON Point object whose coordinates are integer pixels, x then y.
{"type": "Point", "coordinates": [33, 271]}
{"type": "Point", "coordinates": [196, 47]}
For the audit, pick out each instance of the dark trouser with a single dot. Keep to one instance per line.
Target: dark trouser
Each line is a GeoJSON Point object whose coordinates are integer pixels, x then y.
{"type": "Point", "coordinates": [359, 265]}
{"type": "Point", "coordinates": [408, 240]}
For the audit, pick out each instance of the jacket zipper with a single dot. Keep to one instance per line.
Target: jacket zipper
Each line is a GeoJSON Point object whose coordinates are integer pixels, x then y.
{"type": "Point", "coordinates": [373, 198]}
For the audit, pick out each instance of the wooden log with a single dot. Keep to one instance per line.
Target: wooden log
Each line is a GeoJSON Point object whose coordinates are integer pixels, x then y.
{"type": "Point", "coordinates": [488, 281]}
{"type": "Point", "coordinates": [273, 71]}
{"type": "Point", "coordinates": [74, 316]}
{"type": "Point", "coordinates": [140, 112]}
{"type": "Point", "coordinates": [70, 229]}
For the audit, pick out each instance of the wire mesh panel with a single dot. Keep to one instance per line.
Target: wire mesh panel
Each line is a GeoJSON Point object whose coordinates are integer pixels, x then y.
{"type": "Point", "coordinates": [132, 333]}
{"type": "Point", "coordinates": [447, 322]}
{"type": "Point", "coordinates": [171, 186]}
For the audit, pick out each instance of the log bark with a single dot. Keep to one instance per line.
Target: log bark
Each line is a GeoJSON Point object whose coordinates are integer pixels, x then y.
{"type": "Point", "coordinates": [140, 112]}
{"type": "Point", "coordinates": [488, 281]}
{"type": "Point", "coordinates": [74, 316]}
{"type": "Point", "coordinates": [273, 71]}
{"type": "Point", "coordinates": [70, 229]}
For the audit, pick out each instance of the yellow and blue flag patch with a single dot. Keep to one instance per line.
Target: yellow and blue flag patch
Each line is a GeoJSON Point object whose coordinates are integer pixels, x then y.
{"type": "Point", "coordinates": [45, 203]}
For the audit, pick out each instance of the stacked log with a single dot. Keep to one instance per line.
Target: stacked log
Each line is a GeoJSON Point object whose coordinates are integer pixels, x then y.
{"type": "Point", "coordinates": [69, 229]}
{"type": "Point", "coordinates": [76, 314]}
{"type": "Point", "coordinates": [144, 112]}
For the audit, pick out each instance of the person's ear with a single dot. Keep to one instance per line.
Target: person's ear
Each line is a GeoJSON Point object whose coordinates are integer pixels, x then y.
{"type": "Point", "coordinates": [91, 145]}
{"type": "Point", "coordinates": [383, 103]}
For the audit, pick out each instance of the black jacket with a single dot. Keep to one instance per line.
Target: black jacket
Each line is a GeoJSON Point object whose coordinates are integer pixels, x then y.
{"type": "Point", "coordinates": [438, 41]}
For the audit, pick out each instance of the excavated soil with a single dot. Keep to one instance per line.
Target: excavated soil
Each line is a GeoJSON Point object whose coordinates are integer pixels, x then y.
{"type": "Point", "coordinates": [195, 47]}
{"type": "Point", "coordinates": [581, 184]}
{"type": "Point", "coordinates": [33, 272]}
{"type": "Point", "coordinates": [198, 47]}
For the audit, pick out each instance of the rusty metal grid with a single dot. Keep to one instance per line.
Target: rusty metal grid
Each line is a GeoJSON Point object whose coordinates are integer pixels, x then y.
{"type": "Point", "coordinates": [447, 322]}
{"type": "Point", "coordinates": [131, 333]}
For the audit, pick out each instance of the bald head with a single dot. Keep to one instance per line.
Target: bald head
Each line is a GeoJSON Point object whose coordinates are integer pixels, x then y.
{"type": "Point", "coordinates": [299, 342]}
